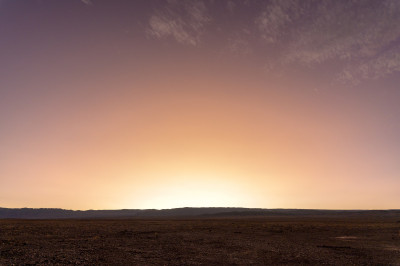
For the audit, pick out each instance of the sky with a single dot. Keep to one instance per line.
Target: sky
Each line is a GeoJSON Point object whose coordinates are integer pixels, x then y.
{"type": "Point", "coordinates": [203, 103]}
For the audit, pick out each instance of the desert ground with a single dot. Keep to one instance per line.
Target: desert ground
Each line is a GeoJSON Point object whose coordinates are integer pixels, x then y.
{"type": "Point", "coordinates": [206, 241]}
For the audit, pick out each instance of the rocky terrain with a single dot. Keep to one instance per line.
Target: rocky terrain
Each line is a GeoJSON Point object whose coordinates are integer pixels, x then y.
{"type": "Point", "coordinates": [274, 240]}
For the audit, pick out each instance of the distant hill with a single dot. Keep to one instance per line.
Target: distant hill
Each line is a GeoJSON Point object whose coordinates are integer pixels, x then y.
{"type": "Point", "coordinates": [45, 213]}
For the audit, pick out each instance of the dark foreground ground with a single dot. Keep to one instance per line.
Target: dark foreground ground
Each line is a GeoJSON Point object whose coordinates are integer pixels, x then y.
{"type": "Point", "coordinates": [244, 241]}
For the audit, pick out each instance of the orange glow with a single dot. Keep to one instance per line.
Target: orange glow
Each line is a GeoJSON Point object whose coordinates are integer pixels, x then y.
{"type": "Point", "coordinates": [108, 119]}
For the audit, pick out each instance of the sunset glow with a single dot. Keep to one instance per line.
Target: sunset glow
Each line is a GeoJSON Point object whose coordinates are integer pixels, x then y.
{"type": "Point", "coordinates": [164, 104]}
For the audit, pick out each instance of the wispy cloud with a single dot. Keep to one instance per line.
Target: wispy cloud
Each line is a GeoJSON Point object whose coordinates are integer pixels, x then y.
{"type": "Point", "coordinates": [362, 36]}
{"type": "Point", "coordinates": [239, 43]}
{"type": "Point", "coordinates": [357, 39]}
{"type": "Point", "coordinates": [184, 21]}
{"type": "Point", "coordinates": [87, 2]}
{"type": "Point", "coordinates": [277, 17]}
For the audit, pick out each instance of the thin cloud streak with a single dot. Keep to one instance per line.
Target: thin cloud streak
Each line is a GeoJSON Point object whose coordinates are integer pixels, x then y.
{"type": "Point", "coordinates": [363, 36]}
{"type": "Point", "coordinates": [87, 2]}
{"type": "Point", "coordinates": [183, 21]}
{"type": "Point", "coordinates": [360, 38]}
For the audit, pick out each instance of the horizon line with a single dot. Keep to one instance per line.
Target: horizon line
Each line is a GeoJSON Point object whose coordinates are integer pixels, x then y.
{"type": "Point", "coordinates": [186, 207]}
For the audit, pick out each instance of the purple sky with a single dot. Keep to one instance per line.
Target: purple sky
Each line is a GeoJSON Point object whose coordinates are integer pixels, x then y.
{"type": "Point", "coordinates": [130, 104]}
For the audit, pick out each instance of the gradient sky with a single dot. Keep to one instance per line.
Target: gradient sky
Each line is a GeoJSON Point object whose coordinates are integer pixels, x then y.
{"type": "Point", "coordinates": [162, 104]}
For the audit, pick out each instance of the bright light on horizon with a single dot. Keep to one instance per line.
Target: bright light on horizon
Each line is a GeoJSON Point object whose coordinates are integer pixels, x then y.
{"type": "Point", "coordinates": [190, 190]}
{"type": "Point", "coordinates": [165, 104]}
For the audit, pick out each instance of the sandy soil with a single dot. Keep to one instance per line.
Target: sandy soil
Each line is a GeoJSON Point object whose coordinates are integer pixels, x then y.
{"type": "Point", "coordinates": [233, 241]}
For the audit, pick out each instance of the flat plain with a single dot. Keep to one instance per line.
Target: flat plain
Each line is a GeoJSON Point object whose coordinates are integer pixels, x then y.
{"type": "Point", "coordinates": [202, 241]}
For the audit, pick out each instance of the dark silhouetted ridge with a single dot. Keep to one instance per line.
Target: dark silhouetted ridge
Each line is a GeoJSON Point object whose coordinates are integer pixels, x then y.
{"type": "Point", "coordinates": [46, 213]}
